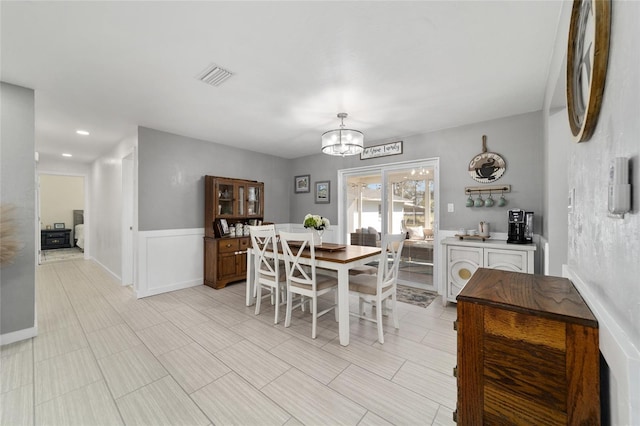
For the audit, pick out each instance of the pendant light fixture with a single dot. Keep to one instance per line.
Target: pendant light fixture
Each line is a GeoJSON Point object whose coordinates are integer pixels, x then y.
{"type": "Point", "coordinates": [342, 141]}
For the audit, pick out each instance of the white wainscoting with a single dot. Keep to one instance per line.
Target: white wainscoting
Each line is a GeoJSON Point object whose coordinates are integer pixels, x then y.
{"type": "Point", "coordinates": [622, 357]}
{"type": "Point", "coordinates": [169, 260]}
{"type": "Point", "coordinates": [173, 259]}
{"type": "Point", "coordinates": [330, 234]}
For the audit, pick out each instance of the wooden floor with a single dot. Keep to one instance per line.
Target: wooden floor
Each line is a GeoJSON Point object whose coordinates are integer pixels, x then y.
{"type": "Point", "coordinates": [200, 357]}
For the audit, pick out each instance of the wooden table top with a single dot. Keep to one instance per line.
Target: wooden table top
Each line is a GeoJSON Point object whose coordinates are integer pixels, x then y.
{"type": "Point", "coordinates": [345, 255]}
{"type": "Point", "coordinates": [349, 254]}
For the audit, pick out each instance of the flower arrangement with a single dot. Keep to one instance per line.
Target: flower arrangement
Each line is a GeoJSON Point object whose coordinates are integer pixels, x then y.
{"type": "Point", "coordinates": [316, 222]}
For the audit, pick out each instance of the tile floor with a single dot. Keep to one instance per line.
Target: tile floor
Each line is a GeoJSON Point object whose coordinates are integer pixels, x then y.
{"type": "Point", "coordinates": [200, 357]}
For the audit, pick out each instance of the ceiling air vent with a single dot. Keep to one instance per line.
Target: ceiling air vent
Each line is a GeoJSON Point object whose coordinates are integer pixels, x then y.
{"type": "Point", "coordinates": [214, 75]}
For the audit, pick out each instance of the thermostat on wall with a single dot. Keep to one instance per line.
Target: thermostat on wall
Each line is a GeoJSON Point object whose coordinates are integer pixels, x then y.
{"type": "Point", "coordinates": [619, 187]}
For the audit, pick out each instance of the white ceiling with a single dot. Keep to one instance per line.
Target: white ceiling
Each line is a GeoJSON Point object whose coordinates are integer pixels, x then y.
{"type": "Point", "coordinates": [398, 68]}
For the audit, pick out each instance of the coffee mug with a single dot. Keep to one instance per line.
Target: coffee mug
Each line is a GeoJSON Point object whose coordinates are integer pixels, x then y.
{"type": "Point", "coordinates": [472, 232]}
{"type": "Point", "coordinates": [462, 231]}
{"type": "Point", "coordinates": [489, 201]}
{"type": "Point", "coordinates": [469, 202]}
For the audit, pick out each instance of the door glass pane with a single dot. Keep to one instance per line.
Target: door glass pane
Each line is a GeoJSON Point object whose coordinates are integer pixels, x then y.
{"type": "Point", "coordinates": [411, 210]}
{"type": "Point", "coordinates": [241, 200]}
{"type": "Point", "coordinates": [253, 201]}
{"type": "Point", "coordinates": [409, 207]}
{"type": "Point", "coordinates": [225, 199]}
{"type": "Point", "coordinates": [364, 209]}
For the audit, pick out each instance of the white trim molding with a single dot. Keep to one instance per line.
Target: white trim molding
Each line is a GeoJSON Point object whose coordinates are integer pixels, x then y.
{"type": "Point", "coordinates": [169, 260]}
{"type": "Point", "coordinates": [622, 357]}
{"type": "Point", "coordinates": [19, 335]}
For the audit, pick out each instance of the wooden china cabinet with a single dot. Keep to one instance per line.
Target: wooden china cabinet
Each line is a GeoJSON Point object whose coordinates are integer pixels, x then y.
{"type": "Point", "coordinates": [233, 201]}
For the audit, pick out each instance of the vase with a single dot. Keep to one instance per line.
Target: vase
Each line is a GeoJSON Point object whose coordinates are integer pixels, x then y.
{"type": "Point", "coordinates": [317, 237]}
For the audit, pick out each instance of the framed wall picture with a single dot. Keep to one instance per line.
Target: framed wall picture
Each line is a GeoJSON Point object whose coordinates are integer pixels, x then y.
{"type": "Point", "coordinates": [58, 226]}
{"type": "Point", "coordinates": [323, 192]}
{"type": "Point", "coordinates": [302, 184]}
{"type": "Point", "coordinates": [220, 228]}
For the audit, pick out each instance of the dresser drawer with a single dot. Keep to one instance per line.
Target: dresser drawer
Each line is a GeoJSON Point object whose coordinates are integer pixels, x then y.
{"type": "Point", "coordinates": [244, 243]}
{"type": "Point", "coordinates": [228, 245]}
{"type": "Point", "coordinates": [55, 234]}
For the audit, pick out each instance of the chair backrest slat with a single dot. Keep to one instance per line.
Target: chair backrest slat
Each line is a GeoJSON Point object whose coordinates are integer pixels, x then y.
{"type": "Point", "coordinates": [297, 272]}
{"type": "Point", "coordinates": [391, 246]}
{"type": "Point", "coordinates": [263, 240]}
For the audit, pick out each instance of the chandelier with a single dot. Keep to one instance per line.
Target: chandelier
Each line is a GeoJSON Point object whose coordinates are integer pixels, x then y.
{"type": "Point", "coordinates": [342, 141]}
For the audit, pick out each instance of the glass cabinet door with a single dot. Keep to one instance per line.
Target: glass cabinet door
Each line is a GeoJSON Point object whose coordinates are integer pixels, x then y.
{"type": "Point", "coordinates": [254, 204]}
{"type": "Point", "coordinates": [241, 198]}
{"type": "Point", "coordinates": [225, 198]}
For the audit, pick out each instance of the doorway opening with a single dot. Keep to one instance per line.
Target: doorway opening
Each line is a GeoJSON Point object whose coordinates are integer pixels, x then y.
{"type": "Point", "coordinates": [61, 201]}
{"type": "Point", "coordinates": [394, 198]}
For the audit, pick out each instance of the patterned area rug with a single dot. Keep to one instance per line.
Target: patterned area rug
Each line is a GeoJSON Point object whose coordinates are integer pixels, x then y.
{"type": "Point", "coordinates": [415, 296]}
{"type": "Point", "coordinates": [56, 255]}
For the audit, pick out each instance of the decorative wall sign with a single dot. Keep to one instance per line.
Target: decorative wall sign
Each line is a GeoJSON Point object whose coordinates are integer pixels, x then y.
{"type": "Point", "coordinates": [487, 167]}
{"type": "Point", "coordinates": [384, 150]}
{"type": "Point", "coordinates": [587, 57]}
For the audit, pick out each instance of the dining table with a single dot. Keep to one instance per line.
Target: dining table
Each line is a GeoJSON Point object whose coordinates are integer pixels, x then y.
{"type": "Point", "coordinates": [335, 257]}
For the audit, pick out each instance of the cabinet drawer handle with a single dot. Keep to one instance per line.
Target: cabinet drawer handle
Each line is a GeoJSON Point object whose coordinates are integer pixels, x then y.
{"type": "Point", "coordinates": [455, 371]}
{"type": "Point", "coordinates": [228, 245]}
{"type": "Point", "coordinates": [455, 416]}
{"type": "Point", "coordinates": [455, 325]}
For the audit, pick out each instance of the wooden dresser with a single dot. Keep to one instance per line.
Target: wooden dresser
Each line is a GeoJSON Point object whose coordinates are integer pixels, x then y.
{"type": "Point", "coordinates": [55, 238]}
{"type": "Point", "coordinates": [527, 352]}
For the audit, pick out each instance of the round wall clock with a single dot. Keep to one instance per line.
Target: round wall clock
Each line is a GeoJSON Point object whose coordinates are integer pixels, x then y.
{"type": "Point", "coordinates": [486, 167]}
{"type": "Point", "coordinates": [587, 56]}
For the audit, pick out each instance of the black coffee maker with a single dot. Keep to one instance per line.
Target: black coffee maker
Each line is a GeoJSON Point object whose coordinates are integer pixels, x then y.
{"type": "Point", "coordinates": [520, 227]}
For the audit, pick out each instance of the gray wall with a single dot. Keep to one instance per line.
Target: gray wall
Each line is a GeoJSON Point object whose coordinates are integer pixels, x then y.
{"type": "Point", "coordinates": [171, 171]}
{"type": "Point", "coordinates": [17, 170]}
{"type": "Point", "coordinates": [519, 139]}
{"type": "Point", "coordinates": [603, 250]}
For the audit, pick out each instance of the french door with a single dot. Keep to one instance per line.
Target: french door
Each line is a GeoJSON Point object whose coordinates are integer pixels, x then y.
{"type": "Point", "coordinates": [394, 198]}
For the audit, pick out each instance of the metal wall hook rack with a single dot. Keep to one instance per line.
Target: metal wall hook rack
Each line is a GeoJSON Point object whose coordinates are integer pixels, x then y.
{"type": "Point", "coordinates": [494, 189]}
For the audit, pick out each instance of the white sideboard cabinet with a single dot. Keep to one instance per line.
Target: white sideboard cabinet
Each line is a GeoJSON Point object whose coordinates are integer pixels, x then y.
{"type": "Point", "coordinates": [462, 258]}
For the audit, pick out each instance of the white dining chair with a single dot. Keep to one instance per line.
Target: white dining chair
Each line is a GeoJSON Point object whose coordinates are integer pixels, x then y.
{"type": "Point", "coordinates": [268, 271]}
{"type": "Point", "coordinates": [381, 286]}
{"type": "Point", "coordinates": [304, 280]}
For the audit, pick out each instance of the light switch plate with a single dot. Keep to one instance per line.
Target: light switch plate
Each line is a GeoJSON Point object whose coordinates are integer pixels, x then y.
{"type": "Point", "coordinates": [450, 208]}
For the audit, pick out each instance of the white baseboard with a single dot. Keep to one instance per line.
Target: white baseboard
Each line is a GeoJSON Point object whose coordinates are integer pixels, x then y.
{"type": "Point", "coordinates": [113, 274]}
{"type": "Point", "coordinates": [622, 357]}
{"type": "Point", "coordinates": [169, 260]}
{"type": "Point", "coordinates": [19, 335]}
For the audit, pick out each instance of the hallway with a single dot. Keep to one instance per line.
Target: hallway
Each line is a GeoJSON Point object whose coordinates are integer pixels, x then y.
{"type": "Point", "coordinates": [199, 356]}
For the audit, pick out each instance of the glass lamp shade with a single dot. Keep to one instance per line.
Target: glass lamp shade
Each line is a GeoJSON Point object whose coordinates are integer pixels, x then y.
{"type": "Point", "coordinates": [342, 142]}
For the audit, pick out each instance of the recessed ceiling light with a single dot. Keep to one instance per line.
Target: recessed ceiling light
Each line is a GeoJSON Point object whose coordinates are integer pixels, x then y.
{"type": "Point", "coordinates": [82, 132]}
{"type": "Point", "coordinates": [67, 155]}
